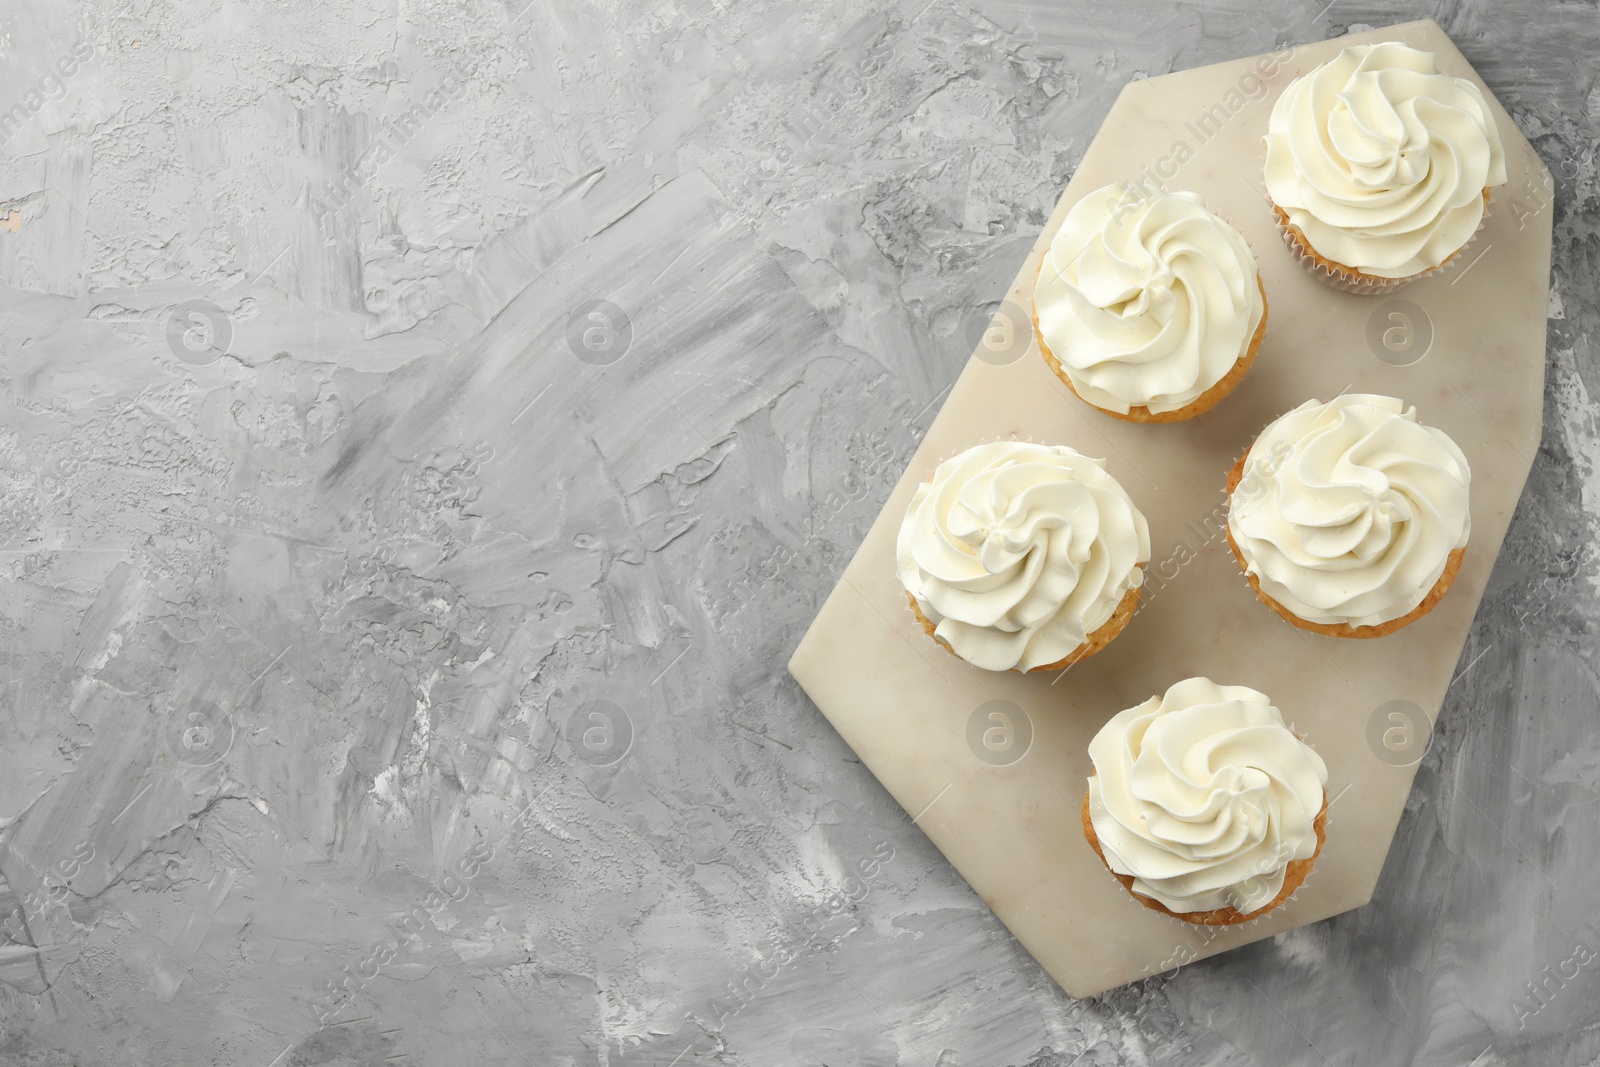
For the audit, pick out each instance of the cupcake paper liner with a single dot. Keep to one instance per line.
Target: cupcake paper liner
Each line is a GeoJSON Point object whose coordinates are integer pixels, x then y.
{"type": "Point", "coordinates": [1350, 281]}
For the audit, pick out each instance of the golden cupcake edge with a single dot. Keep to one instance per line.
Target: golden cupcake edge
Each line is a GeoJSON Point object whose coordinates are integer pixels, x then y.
{"type": "Point", "coordinates": [1294, 875]}
{"type": "Point", "coordinates": [1141, 413]}
{"type": "Point", "coordinates": [1452, 567]}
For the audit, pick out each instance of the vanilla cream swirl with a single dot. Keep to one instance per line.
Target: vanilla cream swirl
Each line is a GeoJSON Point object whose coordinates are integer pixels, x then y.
{"type": "Point", "coordinates": [1381, 161]}
{"type": "Point", "coordinates": [1204, 797]}
{"type": "Point", "coordinates": [1018, 552]}
{"type": "Point", "coordinates": [1146, 298]}
{"type": "Point", "coordinates": [1347, 512]}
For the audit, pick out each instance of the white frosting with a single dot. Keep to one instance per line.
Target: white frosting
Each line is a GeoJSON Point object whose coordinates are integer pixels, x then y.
{"type": "Point", "coordinates": [1348, 511]}
{"type": "Point", "coordinates": [1204, 797]}
{"type": "Point", "coordinates": [1381, 161]}
{"type": "Point", "coordinates": [1146, 298]}
{"type": "Point", "coordinates": [1018, 552]}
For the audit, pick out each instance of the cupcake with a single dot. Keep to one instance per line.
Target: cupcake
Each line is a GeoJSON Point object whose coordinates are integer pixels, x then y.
{"type": "Point", "coordinates": [1350, 518]}
{"type": "Point", "coordinates": [1204, 805]}
{"type": "Point", "coordinates": [1148, 306]}
{"type": "Point", "coordinates": [1379, 167]}
{"type": "Point", "coordinates": [1022, 557]}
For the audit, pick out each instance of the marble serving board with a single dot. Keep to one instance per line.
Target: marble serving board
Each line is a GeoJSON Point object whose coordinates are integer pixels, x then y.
{"type": "Point", "coordinates": [992, 767]}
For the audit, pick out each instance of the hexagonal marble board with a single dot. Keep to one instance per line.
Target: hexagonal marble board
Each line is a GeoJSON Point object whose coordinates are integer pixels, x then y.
{"type": "Point", "coordinates": [1009, 819]}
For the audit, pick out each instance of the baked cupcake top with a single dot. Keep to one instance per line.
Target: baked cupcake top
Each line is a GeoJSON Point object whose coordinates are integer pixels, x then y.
{"type": "Point", "coordinates": [1347, 511]}
{"type": "Point", "coordinates": [1018, 552]}
{"type": "Point", "coordinates": [1381, 161]}
{"type": "Point", "coordinates": [1146, 298]}
{"type": "Point", "coordinates": [1203, 796]}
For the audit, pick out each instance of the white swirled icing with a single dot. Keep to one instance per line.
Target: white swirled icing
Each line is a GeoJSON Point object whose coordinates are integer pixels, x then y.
{"type": "Point", "coordinates": [1204, 797]}
{"type": "Point", "coordinates": [1381, 161]}
{"type": "Point", "coordinates": [1347, 511]}
{"type": "Point", "coordinates": [1146, 298]}
{"type": "Point", "coordinates": [1018, 552]}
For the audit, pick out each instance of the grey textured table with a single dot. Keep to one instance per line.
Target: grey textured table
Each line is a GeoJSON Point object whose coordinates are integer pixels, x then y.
{"type": "Point", "coordinates": [428, 428]}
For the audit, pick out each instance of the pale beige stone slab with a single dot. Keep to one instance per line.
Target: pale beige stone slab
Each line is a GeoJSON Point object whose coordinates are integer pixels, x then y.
{"type": "Point", "coordinates": [904, 704]}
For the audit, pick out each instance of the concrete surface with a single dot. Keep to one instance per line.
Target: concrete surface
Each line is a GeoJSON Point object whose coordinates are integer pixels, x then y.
{"type": "Point", "coordinates": [428, 427]}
